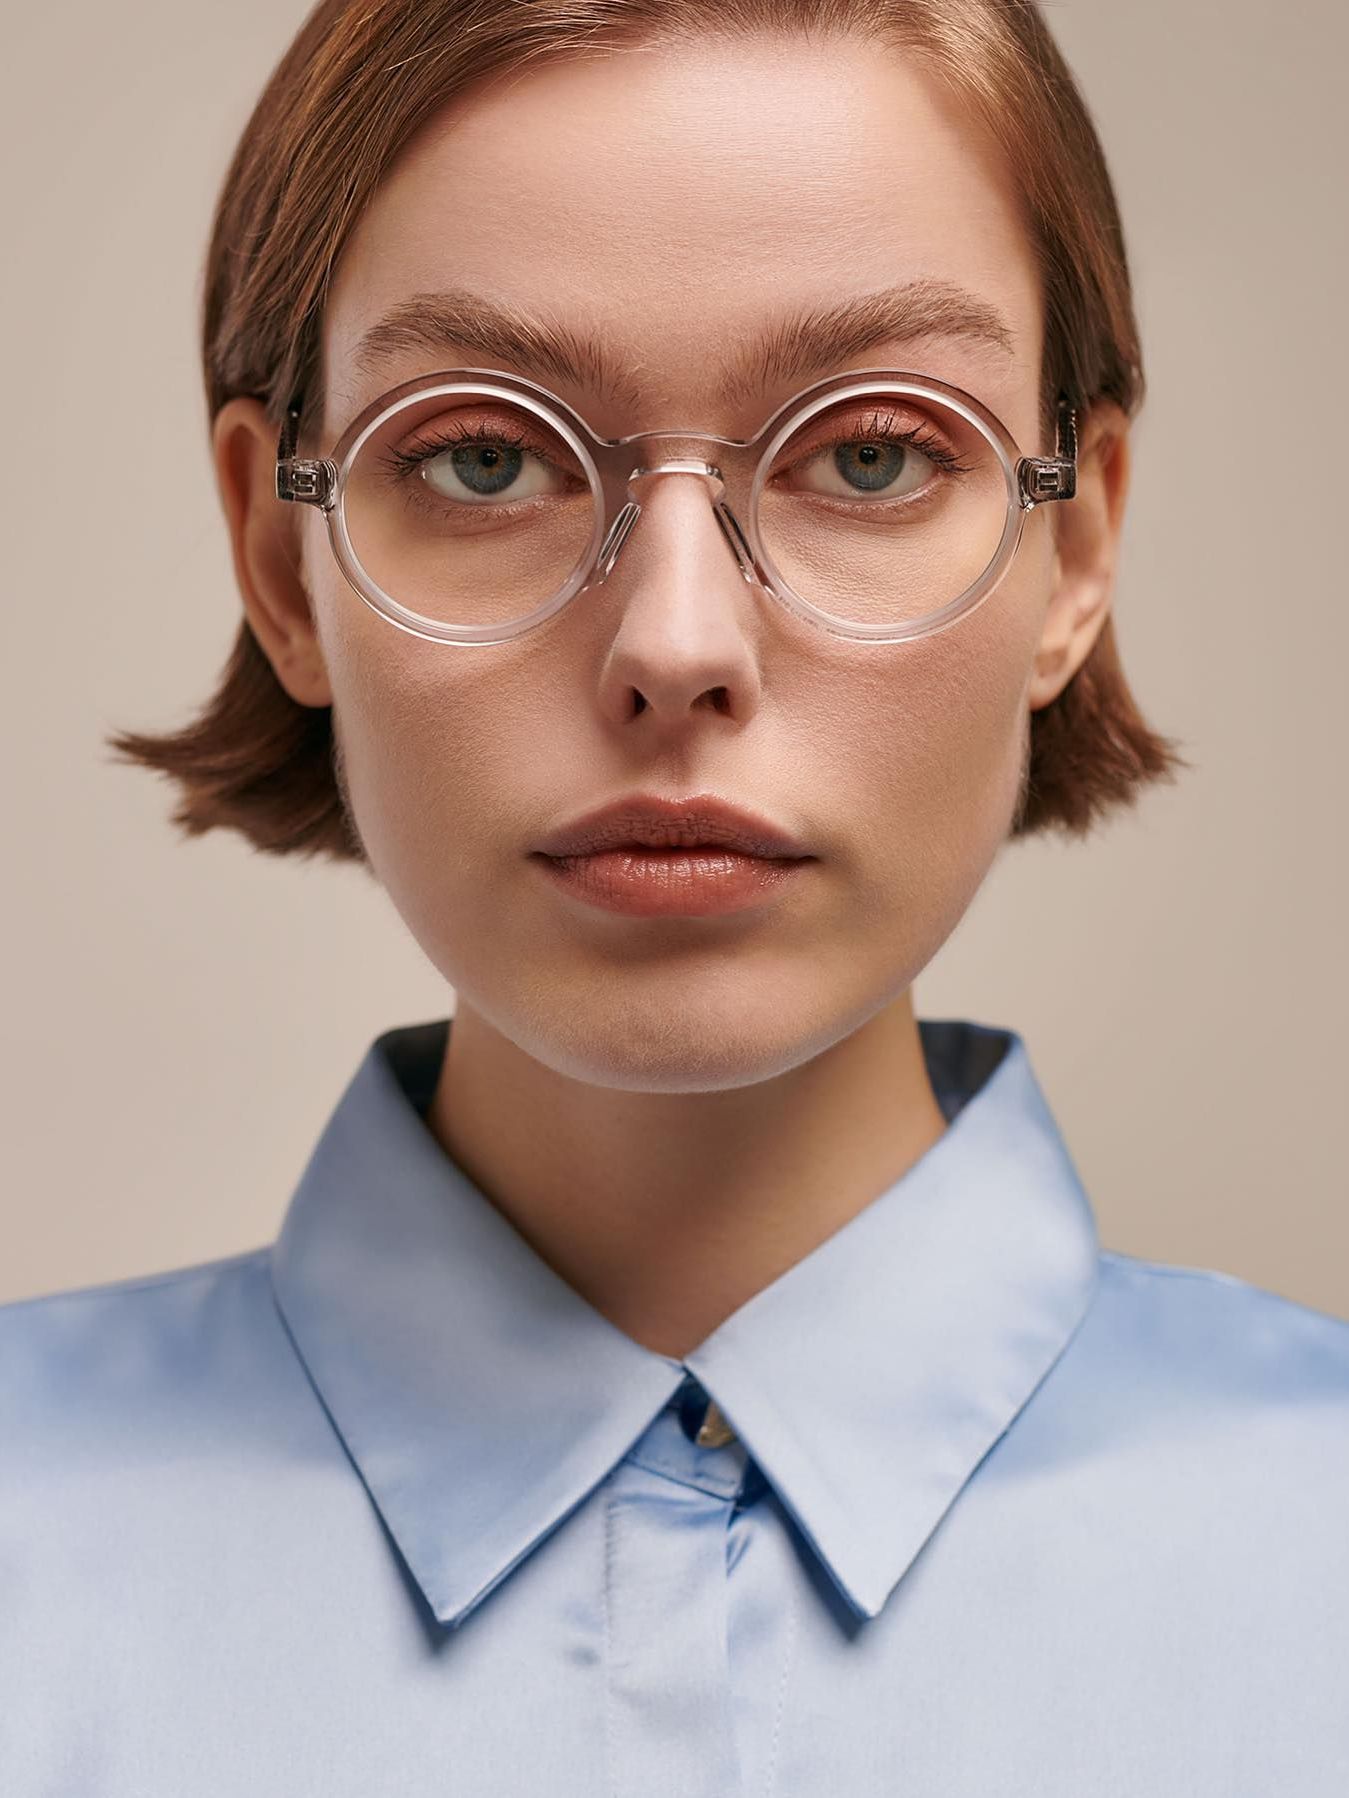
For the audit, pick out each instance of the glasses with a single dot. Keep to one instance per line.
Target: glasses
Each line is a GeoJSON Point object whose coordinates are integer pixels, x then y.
{"type": "Point", "coordinates": [471, 506]}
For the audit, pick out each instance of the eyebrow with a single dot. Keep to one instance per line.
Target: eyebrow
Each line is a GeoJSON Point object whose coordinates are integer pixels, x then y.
{"type": "Point", "coordinates": [789, 346]}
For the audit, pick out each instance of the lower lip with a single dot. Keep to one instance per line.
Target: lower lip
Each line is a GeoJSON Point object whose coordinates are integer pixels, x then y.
{"type": "Point", "coordinates": [672, 883]}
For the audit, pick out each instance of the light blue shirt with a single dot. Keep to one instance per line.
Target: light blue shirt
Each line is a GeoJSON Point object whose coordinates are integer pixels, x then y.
{"type": "Point", "coordinates": [387, 1510]}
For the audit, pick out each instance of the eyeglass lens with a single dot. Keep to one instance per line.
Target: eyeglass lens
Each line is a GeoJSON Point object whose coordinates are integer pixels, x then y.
{"type": "Point", "coordinates": [880, 509]}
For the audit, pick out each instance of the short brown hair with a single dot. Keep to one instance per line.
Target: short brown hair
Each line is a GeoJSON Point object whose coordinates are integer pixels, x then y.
{"type": "Point", "coordinates": [352, 89]}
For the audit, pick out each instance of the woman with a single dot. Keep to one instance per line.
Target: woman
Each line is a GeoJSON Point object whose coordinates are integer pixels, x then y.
{"type": "Point", "coordinates": [675, 457]}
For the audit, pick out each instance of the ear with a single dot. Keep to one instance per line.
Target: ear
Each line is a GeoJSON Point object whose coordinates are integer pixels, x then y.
{"type": "Point", "coordinates": [1086, 550]}
{"type": "Point", "coordinates": [265, 542]}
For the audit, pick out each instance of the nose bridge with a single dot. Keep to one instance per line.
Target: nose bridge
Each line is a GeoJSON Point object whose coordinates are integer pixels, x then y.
{"type": "Point", "coordinates": [693, 438]}
{"type": "Point", "coordinates": [682, 452]}
{"type": "Point", "coordinates": [648, 467]}
{"type": "Point", "coordinates": [645, 468]}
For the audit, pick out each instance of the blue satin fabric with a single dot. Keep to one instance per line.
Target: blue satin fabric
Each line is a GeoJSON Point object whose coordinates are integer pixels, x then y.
{"type": "Point", "coordinates": [386, 1508]}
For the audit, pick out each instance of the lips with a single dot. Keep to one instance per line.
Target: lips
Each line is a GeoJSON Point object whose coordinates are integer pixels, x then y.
{"type": "Point", "coordinates": [647, 821]}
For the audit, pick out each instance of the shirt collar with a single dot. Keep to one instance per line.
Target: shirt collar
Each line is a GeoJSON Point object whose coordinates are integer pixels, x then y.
{"type": "Point", "coordinates": [481, 1398]}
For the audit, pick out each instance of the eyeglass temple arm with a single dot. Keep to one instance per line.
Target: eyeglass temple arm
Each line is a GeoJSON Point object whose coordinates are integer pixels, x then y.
{"type": "Point", "coordinates": [310, 482]}
{"type": "Point", "coordinates": [313, 482]}
{"type": "Point", "coordinates": [1052, 477]}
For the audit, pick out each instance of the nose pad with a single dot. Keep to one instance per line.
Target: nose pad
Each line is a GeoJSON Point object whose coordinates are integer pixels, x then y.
{"type": "Point", "coordinates": [731, 531]}
{"type": "Point", "coordinates": [618, 536]}
{"type": "Point", "coordinates": [631, 511]}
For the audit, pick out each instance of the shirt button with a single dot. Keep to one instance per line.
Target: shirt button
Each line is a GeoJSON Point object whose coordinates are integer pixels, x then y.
{"type": "Point", "coordinates": [701, 1418]}
{"type": "Point", "coordinates": [715, 1432]}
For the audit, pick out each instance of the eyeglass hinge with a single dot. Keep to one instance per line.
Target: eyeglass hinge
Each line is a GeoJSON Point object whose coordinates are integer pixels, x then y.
{"type": "Point", "coordinates": [310, 482]}
{"type": "Point", "coordinates": [1044, 477]}
{"type": "Point", "coordinates": [1053, 477]}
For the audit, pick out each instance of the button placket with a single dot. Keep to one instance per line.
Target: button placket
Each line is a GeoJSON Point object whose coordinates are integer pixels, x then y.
{"type": "Point", "coordinates": [669, 1711]}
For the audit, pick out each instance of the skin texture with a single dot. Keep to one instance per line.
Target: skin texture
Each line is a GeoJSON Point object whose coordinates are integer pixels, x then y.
{"type": "Point", "coordinates": [674, 1111]}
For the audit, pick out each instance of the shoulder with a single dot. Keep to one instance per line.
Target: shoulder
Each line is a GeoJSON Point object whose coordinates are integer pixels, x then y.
{"type": "Point", "coordinates": [115, 1371]}
{"type": "Point", "coordinates": [182, 1298]}
{"type": "Point", "coordinates": [1186, 1461]}
{"type": "Point", "coordinates": [1220, 1330]}
{"type": "Point", "coordinates": [1210, 1374]}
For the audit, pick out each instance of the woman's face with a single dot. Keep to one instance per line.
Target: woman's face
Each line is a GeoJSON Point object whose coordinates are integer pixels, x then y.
{"type": "Point", "coordinates": [671, 205]}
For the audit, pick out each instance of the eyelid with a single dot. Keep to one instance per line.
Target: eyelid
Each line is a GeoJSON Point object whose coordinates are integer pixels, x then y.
{"type": "Point", "coordinates": [488, 418]}
{"type": "Point", "coordinates": [880, 415]}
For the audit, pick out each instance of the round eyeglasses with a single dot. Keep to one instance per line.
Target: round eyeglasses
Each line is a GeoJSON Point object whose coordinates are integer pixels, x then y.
{"type": "Point", "coordinates": [470, 506]}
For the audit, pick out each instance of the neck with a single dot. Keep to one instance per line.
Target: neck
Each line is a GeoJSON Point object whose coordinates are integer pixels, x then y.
{"type": "Point", "coordinates": [668, 1211]}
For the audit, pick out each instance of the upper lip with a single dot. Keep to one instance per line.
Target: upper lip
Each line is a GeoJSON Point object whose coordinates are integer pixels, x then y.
{"type": "Point", "coordinates": [642, 820]}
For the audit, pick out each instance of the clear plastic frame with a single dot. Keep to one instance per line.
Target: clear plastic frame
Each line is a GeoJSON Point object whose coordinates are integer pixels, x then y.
{"type": "Point", "coordinates": [844, 561]}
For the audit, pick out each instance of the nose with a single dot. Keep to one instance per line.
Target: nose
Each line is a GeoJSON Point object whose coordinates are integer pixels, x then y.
{"type": "Point", "coordinates": [682, 636]}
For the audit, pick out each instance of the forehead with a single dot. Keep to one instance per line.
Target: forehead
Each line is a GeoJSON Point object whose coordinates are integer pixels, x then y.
{"type": "Point", "coordinates": [666, 206]}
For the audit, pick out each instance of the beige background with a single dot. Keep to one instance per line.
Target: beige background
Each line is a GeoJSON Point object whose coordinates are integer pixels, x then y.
{"type": "Point", "coordinates": [179, 1019]}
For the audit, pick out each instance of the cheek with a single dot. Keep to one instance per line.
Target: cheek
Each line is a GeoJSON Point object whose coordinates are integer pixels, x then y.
{"type": "Point", "coordinates": [932, 748]}
{"type": "Point", "coordinates": [421, 733]}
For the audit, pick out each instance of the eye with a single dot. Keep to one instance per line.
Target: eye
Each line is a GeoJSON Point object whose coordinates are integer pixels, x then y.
{"type": "Point", "coordinates": [479, 469]}
{"type": "Point", "coordinates": [480, 459]}
{"type": "Point", "coordinates": [883, 467]}
{"type": "Point", "coordinates": [873, 459]}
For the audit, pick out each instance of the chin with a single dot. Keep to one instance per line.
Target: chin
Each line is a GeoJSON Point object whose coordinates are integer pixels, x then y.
{"type": "Point", "coordinates": [695, 1042]}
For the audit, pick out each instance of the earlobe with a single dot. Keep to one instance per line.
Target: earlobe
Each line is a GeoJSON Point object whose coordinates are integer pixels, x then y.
{"type": "Point", "coordinates": [1087, 547]}
{"type": "Point", "coordinates": [264, 543]}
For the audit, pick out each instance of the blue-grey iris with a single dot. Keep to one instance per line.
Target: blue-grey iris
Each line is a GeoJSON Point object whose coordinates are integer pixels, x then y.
{"type": "Point", "coordinates": [870, 465]}
{"type": "Point", "coordinates": [486, 468]}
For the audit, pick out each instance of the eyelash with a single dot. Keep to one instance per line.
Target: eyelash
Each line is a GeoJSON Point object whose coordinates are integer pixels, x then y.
{"type": "Point", "coordinates": [407, 462]}
{"type": "Point", "coordinates": [928, 445]}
